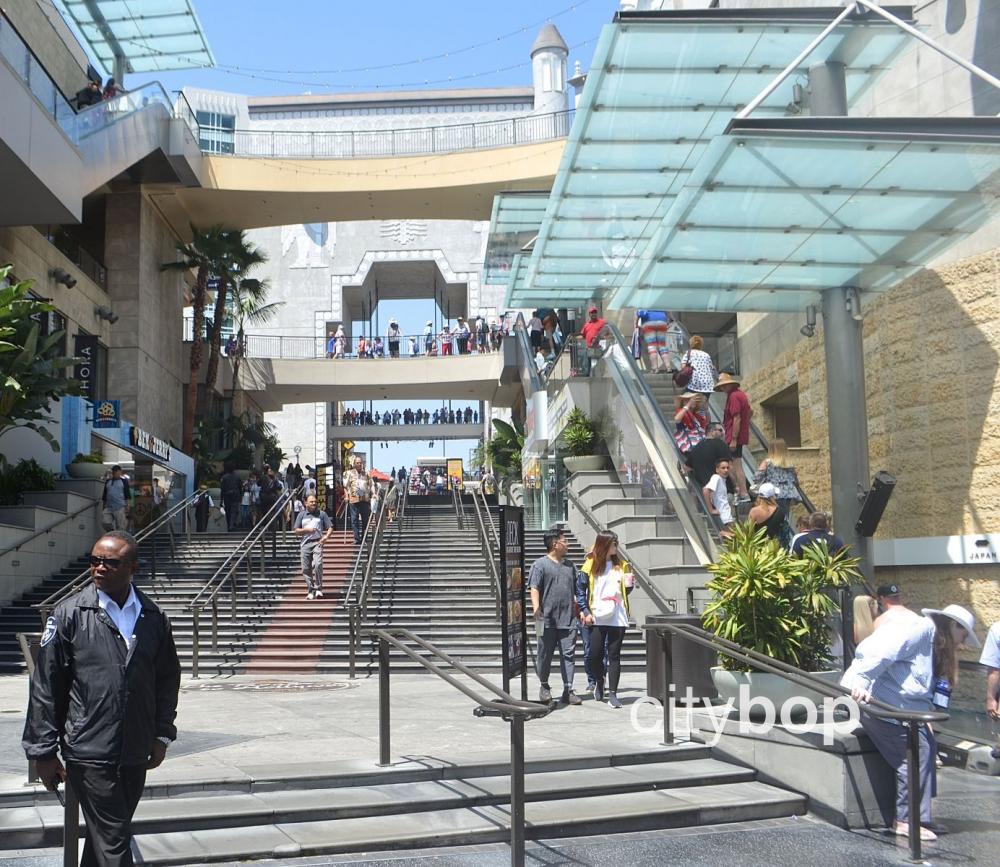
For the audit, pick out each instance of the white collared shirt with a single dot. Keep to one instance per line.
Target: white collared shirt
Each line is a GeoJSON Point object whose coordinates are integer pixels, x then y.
{"type": "Point", "coordinates": [125, 617]}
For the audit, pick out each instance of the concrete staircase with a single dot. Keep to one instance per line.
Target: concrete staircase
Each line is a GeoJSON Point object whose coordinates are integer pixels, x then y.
{"type": "Point", "coordinates": [181, 573]}
{"type": "Point", "coordinates": [325, 808]}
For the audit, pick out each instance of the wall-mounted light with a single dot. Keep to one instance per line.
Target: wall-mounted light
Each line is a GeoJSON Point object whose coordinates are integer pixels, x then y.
{"type": "Point", "coordinates": [809, 329]}
{"type": "Point", "coordinates": [106, 313]}
{"type": "Point", "coordinates": [62, 276]}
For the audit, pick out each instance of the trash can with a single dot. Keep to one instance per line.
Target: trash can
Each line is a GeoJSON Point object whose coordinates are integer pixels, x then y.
{"type": "Point", "coordinates": [691, 663]}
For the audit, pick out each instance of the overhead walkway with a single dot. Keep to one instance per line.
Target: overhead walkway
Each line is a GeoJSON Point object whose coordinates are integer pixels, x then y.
{"type": "Point", "coordinates": [404, 432]}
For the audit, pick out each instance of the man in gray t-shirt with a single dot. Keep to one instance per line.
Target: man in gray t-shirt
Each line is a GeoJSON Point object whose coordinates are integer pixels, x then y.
{"type": "Point", "coordinates": [313, 527]}
{"type": "Point", "coordinates": [115, 499]}
{"type": "Point", "coordinates": [552, 582]}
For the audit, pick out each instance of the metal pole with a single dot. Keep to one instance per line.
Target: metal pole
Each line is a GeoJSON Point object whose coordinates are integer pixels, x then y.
{"type": "Point", "coordinates": [232, 596]}
{"type": "Point", "coordinates": [351, 639]}
{"type": "Point", "coordinates": [923, 37]}
{"type": "Point", "coordinates": [668, 678]}
{"type": "Point", "coordinates": [383, 702]}
{"type": "Point", "coordinates": [194, 642]}
{"type": "Point", "coordinates": [517, 791]}
{"type": "Point", "coordinates": [848, 426]}
{"type": "Point", "coordinates": [262, 551]}
{"type": "Point", "coordinates": [795, 64]}
{"type": "Point", "coordinates": [215, 624]}
{"type": "Point", "coordinates": [913, 784]}
{"type": "Point", "coordinates": [71, 828]}
{"type": "Point", "coordinates": [152, 560]}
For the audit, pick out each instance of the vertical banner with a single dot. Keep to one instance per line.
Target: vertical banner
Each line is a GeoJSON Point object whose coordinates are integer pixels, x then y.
{"type": "Point", "coordinates": [85, 369]}
{"type": "Point", "coordinates": [325, 482]}
{"type": "Point", "coordinates": [455, 471]}
{"type": "Point", "coordinates": [514, 627]}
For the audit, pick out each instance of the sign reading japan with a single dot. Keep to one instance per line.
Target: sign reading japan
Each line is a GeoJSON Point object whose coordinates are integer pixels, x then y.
{"type": "Point", "coordinates": [148, 443]}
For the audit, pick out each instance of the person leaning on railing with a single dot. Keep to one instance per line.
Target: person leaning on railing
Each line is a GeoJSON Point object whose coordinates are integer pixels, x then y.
{"type": "Point", "coordinates": [896, 665]}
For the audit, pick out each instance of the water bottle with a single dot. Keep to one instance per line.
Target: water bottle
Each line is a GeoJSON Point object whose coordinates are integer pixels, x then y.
{"type": "Point", "coordinates": [942, 693]}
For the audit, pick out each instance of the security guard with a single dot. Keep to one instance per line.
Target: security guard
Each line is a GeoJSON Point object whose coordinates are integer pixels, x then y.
{"type": "Point", "coordinates": [105, 694]}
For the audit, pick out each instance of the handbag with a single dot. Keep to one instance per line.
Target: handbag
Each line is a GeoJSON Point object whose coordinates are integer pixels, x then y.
{"type": "Point", "coordinates": [683, 376]}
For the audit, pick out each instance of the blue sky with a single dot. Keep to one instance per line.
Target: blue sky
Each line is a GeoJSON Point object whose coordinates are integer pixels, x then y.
{"type": "Point", "coordinates": [263, 47]}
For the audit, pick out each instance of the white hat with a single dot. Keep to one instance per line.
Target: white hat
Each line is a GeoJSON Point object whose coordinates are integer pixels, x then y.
{"type": "Point", "coordinates": [768, 491]}
{"type": "Point", "coordinates": [429, 322]}
{"type": "Point", "coordinates": [963, 617]}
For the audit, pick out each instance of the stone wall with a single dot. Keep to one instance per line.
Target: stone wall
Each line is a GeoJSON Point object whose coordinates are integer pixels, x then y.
{"type": "Point", "coordinates": [932, 356]}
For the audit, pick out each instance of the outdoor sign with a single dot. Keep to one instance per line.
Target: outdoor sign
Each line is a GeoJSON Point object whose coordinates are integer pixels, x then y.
{"type": "Point", "coordinates": [514, 627]}
{"type": "Point", "coordinates": [85, 369]}
{"type": "Point", "coordinates": [455, 472]}
{"type": "Point", "coordinates": [148, 443]}
{"type": "Point", "coordinates": [326, 481]}
{"type": "Point", "coordinates": [107, 413]}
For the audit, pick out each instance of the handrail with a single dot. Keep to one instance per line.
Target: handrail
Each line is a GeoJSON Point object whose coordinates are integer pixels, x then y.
{"type": "Point", "coordinates": [362, 548]}
{"type": "Point", "coordinates": [81, 580]}
{"type": "Point", "coordinates": [512, 710]}
{"type": "Point", "coordinates": [373, 554]}
{"type": "Point", "coordinates": [641, 577]}
{"type": "Point", "coordinates": [486, 541]}
{"type": "Point", "coordinates": [69, 517]}
{"type": "Point", "coordinates": [874, 707]}
{"type": "Point", "coordinates": [456, 502]}
{"type": "Point", "coordinates": [531, 380]}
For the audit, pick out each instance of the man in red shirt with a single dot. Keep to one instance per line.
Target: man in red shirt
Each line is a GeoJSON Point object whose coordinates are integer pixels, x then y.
{"type": "Point", "coordinates": [591, 330]}
{"type": "Point", "coordinates": [736, 422]}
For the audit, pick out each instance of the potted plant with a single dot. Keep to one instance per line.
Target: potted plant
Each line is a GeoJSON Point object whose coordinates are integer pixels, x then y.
{"type": "Point", "coordinates": [580, 438]}
{"type": "Point", "coordinates": [87, 466]}
{"type": "Point", "coordinates": [18, 479]}
{"type": "Point", "coordinates": [767, 600]}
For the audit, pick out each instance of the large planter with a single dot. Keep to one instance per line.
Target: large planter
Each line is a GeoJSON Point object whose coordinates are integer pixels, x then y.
{"type": "Point", "coordinates": [585, 463]}
{"type": "Point", "coordinates": [774, 687]}
{"type": "Point", "coordinates": [86, 470]}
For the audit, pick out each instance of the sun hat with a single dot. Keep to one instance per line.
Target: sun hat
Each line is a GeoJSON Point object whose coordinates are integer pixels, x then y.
{"type": "Point", "coordinates": [726, 379]}
{"type": "Point", "coordinates": [767, 491]}
{"type": "Point", "coordinates": [963, 617]}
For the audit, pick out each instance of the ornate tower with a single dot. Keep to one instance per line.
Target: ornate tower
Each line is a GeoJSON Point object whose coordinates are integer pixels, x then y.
{"type": "Point", "coordinates": [548, 70]}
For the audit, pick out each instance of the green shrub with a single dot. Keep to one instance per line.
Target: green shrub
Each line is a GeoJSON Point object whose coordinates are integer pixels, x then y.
{"type": "Point", "coordinates": [580, 436]}
{"type": "Point", "coordinates": [24, 476]}
{"type": "Point", "coordinates": [92, 458]}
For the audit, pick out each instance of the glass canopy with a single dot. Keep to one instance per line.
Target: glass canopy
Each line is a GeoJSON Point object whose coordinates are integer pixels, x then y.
{"type": "Point", "coordinates": [516, 218]}
{"type": "Point", "coordinates": [663, 198]}
{"type": "Point", "coordinates": [151, 35]}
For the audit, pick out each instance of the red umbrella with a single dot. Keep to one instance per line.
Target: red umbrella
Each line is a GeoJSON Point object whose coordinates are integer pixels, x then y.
{"type": "Point", "coordinates": [379, 476]}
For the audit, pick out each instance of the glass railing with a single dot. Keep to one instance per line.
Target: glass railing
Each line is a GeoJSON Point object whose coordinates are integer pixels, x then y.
{"type": "Point", "coordinates": [92, 119]}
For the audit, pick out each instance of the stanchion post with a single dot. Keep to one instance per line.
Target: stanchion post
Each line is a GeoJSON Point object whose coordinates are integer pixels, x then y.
{"type": "Point", "coordinates": [152, 559]}
{"type": "Point", "coordinates": [913, 784]}
{"type": "Point", "coordinates": [383, 702]}
{"type": "Point", "coordinates": [215, 624]}
{"type": "Point", "coordinates": [668, 688]}
{"type": "Point", "coordinates": [71, 828]}
{"type": "Point", "coordinates": [517, 791]}
{"type": "Point", "coordinates": [194, 642]}
{"type": "Point", "coordinates": [352, 637]}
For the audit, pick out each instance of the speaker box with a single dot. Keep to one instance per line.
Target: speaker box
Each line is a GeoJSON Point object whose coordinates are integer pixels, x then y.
{"type": "Point", "coordinates": [875, 503]}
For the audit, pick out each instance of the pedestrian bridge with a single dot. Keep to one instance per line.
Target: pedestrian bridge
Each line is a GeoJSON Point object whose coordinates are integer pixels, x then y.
{"type": "Point", "coordinates": [276, 382]}
{"type": "Point", "coordinates": [404, 432]}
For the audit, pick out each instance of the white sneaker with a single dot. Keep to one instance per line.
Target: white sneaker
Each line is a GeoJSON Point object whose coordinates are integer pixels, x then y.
{"type": "Point", "coordinates": [310, 595]}
{"type": "Point", "coordinates": [319, 594]}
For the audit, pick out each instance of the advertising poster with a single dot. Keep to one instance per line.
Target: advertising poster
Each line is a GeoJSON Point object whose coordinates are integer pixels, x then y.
{"type": "Point", "coordinates": [514, 627]}
{"type": "Point", "coordinates": [325, 483]}
{"type": "Point", "coordinates": [454, 472]}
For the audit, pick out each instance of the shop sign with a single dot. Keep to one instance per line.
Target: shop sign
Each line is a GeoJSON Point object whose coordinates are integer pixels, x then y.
{"type": "Point", "coordinates": [107, 414]}
{"type": "Point", "coordinates": [85, 369]}
{"type": "Point", "coordinates": [148, 443]}
{"type": "Point", "coordinates": [513, 622]}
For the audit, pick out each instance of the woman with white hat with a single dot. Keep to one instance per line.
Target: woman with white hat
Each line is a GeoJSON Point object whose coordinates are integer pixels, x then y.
{"type": "Point", "coordinates": [767, 513]}
{"type": "Point", "coordinates": [897, 665]}
{"type": "Point", "coordinates": [392, 337]}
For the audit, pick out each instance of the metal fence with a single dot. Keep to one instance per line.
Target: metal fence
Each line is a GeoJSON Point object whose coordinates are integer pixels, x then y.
{"type": "Point", "coordinates": [449, 138]}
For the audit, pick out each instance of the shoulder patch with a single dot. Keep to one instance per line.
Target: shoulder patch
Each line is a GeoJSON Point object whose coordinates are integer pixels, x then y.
{"type": "Point", "coordinates": [50, 631]}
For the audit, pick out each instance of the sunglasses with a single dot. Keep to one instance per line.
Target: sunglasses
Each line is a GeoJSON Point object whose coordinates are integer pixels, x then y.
{"type": "Point", "coordinates": [110, 562]}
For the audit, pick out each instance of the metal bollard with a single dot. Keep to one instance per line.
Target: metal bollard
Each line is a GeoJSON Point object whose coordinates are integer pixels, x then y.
{"type": "Point", "coordinates": [383, 702]}
{"type": "Point", "coordinates": [913, 784]}
{"type": "Point", "coordinates": [71, 828]}
{"type": "Point", "coordinates": [352, 638]}
{"type": "Point", "coordinates": [517, 791]}
{"type": "Point", "coordinates": [668, 688]}
{"type": "Point", "coordinates": [215, 624]}
{"type": "Point", "coordinates": [194, 643]}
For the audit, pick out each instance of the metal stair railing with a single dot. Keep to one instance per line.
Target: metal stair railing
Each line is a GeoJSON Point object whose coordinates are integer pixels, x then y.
{"type": "Point", "coordinates": [367, 562]}
{"type": "Point", "coordinates": [46, 606]}
{"type": "Point", "coordinates": [489, 543]}
{"type": "Point", "coordinates": [456, 502]}
{"type": "Point", "coordinates": [226, 574]}
{"type": "Point", "coordinates": [878, 709]}
{"type": "Point", "coordinates": [503, 705]}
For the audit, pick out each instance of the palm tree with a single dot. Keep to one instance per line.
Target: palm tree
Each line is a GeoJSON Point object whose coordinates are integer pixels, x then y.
{"type": "Point", "coordinates": [241, 256]}
{"type": "Point", "coordinates": [250, 307]}
{"type": "Point", "coordinates": [203, 254]}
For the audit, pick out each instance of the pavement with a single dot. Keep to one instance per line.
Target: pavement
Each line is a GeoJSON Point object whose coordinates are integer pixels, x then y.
{"type": "Point", "coordinates": [231, 724]}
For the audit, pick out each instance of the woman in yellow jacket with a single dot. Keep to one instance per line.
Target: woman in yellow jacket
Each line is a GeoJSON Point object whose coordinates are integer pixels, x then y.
{"type": "Point", "coordinates": [602, 589]}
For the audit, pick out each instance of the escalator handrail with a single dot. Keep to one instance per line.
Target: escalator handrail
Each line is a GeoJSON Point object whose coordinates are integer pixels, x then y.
{"type": "Point", "coordinates": [520, 331]}
{"type": "Point", "coordinates": [128, 97]}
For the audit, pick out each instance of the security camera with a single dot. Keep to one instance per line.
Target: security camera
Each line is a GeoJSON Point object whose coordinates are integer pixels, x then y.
{"type": "Point", "coordinates": [62, 276]}
{"type": "Point", "coordinates": [106, 313]}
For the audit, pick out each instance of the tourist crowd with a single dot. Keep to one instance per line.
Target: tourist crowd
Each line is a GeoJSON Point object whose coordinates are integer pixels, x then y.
{"type": "Point", "coordinates": [361, 418]}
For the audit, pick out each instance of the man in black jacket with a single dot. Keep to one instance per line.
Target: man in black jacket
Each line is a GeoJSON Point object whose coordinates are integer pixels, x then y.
{"type": "Point", "coordinates": [231, 488]}
{"type": "Point", "coordinates": [104, 693]}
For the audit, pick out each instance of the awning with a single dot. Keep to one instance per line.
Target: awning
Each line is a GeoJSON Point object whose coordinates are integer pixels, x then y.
{"type": "Point", "coordinates": [151, 35]}
{"type": "Point", "coordinates": [664, 199]}
{"type": "Point", "coordinates": [515, 221]}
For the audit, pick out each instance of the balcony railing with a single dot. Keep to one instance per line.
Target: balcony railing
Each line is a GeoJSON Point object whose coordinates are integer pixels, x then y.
{"type": "Point", "coordinates": [409, 141]}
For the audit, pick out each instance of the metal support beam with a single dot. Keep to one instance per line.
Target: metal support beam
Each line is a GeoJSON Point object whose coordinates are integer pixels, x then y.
{"type": "Point", "coordinates": [847, 418]}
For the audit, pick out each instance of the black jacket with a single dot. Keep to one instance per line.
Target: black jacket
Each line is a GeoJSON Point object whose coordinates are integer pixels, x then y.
{"type": "Point", "coordinates": [231, 486]}
{"type": "Point", "coordinates": [93, 700]}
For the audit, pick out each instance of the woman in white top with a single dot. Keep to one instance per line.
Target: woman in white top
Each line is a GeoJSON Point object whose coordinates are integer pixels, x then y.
{"type": "Point", "coordinates": [602, 589]}
{"type": "Point", "coordinates": [704, 376]}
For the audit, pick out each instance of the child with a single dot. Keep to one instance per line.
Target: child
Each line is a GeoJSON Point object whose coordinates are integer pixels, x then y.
{"type": "Point", "coordinates": [717, 496]}
{"type": "Point", "coordinates": [245, 506]}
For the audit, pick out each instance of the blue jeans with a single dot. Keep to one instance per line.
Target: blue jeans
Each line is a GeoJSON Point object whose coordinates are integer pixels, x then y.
{"type": "Point", "coordinates": [360, 512]}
